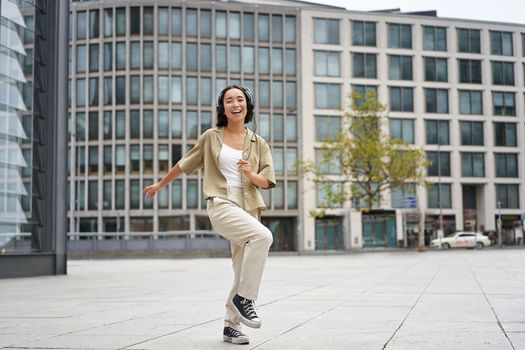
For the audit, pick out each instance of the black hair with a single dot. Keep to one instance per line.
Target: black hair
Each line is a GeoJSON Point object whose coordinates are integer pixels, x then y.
{"type": "Point", "coordinates": [250, 104]}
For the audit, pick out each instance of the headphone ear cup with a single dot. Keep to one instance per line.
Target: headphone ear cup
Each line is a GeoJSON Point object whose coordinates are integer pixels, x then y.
{"type": "Point", "coordinates": [249, 94]}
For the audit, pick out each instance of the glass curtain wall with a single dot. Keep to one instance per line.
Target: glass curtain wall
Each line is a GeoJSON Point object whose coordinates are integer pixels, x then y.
{"type": "Point", "coordinates": [18, 217]}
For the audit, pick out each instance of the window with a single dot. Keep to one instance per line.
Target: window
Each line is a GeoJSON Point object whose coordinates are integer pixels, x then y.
{"type": "Point", "coordinates": [121, 56]}
{"type": "Point", "coordinates": [176, 21]}
{"type": "Point", "coordinates": [439, 196]}
{"type": "Point", "coordinates": [148, 55]}
{"type": "Point", "coordinates": [278, 158]}
{"type": "Point", "coordinates": [328, 166]}
{"type": "Point", "coordinates": [434, 38]}
{"type": "Point", "coordinates": [277, 28]}
{"type": "Point", "coordinates": [326, 190]}
{"type": "Point", "coordinates": [120, 159]}
{"type": "Point", "coordinates": [108, 56]}
{"type": "Point", "coordinates": [436, 100]}
{"type": "Point", "coordinates": [107, 194]}
{"type": "Point", "coordinates": [108, 130]}
{"type": "Point", "coordinates": [277, 94]}
{"type": "Point", "coordinates": [120, 125]}
{"type": "Point", "coordinates": [134, 125]}
{"type": "Point", "coordinates": [108, 22]}
{"type": "Point", "coordinates": [402, 129]}
{"type": "Point", "coordinates": [277, 61]}
{"type": "Point", "coordinates": [93, 57]}
{"type": "Point", "coordinates": [471, 133]}
{"type": "Point", "coordinates": [508, 196]}
{"type": "Point", "coordinates": [399, 194]}
{"type": "Point", "coordinates": [290, 62]}
{"type": "Point", "coordinates": [134, 89]}
{"type": "Point", "coordinates": [327, 63]}
{"type": "Point", "coordinates": [291, 95]}
{"type": "Point", "coordinates": [469, 40]}
{"type": "Point", "coordinates": [134, 158]}
{"type": "Point", "coordinates": [81, 58]}
{"type": "Point", "coordinates": [400, 36]}
{"type": "Point", "coordinates": [399, 67]}
{"type": "Point", "coordinates": [327, 127]}
{"type": "Point", "coordinates": [163, 22]}
{"type": "Point", "coordinates": [234, 25]}
{"type": "Point", "coordinates": [326, 31]}
{"type": "Point", "coordinates": [120, 194]}
{"type": "Point", "coordinates": [93, 91]}
{"type": "Point", "coordinates": [147, 89]}
{"type": "Point", "coordinates": [436, 69]}
{"type": "Point", "coordinates": [504, 103]}
{"type": "Point", "coordinates": [470, 102]}
{"type": "Point", "coordinates": [147, 125]}
{"type": "Point", "coordinates": [176, 55]}
{"type": "Point", "coordinates": [81, 92]}
{"type": "Point", "coordinates": [121, 21]}
{"type": "Point", "coordinates": [134, 21]}
{"type": "Point", "coordinates": [93, 126]}
{"type": "Point", "coordinates": [439, 163]}
{"type": "Point", "coordinates": [164, 55]}
{"type": "Point", "coordinates": [364, 65]}
{"type": "Point", "coordinates": [506, 164]}
{"type": "Point", "coordinates": [502, 73]}
{"type": "Point", "coordinates": [120, 90]}
{"type": "Point", "coordinates": [501, 43]}
{"type": "Point", "coordinates": [94, 24]}
{"type": "Point", "coordinates": [278, 127]}
{"type": "Point", "coordinates": [148, 20]}
{"type": "Point", "coordinates": [327, 96]}
{"type": "Point", "coordinates": [470, 71]}
{"type": "Point", "coordinates": [289, 35]}
{"type": "Point", "coordinates": [248, 32]}
{"type": "Point", "coordinates": [505, 134]}
{"type": "Point", "coordinates": [81, 25]}
{"type": "Point", "coordinates": [437, 132]}
{"type": "Point", "coordinates": [264, 27]}
{"type": "Point", "coordinates": [364, 33]}
{"type": "Point", "coordinates": [362, 91]}
{"type": "Point", "coordinates": [135, 55]}
{"type": "Point", "coordinates": [108, 161]}
{"type": "Point", "coordinates": [523, 44]}
{"type": "Point", "coordinates": [473, 164]}
{"type": "Point", "coordinates": [191, 22]}
{"type": "Point", "coordinates": [401, 99]}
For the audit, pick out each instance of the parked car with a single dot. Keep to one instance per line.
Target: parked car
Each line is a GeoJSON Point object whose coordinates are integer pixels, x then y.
{"type": "Point", "coordinates": [462, 239]}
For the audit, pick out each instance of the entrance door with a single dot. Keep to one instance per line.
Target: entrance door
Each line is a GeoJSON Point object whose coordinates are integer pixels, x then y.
{"type": "Point", "coordinates": [469, 207]}
{"type": "Point", "coordinates": [283, 233]}
{"type": "Point", "coordinates": [329, 233]}
{"type": "Point", "coordinates": [379, 230]}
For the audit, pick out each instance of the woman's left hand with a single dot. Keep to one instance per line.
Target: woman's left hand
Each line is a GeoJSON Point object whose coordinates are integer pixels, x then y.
{"type": "Point", "coordinates": [245, 167]}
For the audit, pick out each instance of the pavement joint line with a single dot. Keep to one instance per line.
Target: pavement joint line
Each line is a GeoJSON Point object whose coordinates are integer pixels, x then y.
{"type": "Point", "coordinates": [492, 308]}
{"type": "Point", "coordinates": [413, 307]}
{"type": "Point", "coordinates": [171, 333]}
{"type": "Point", "coordinates": [332, 308]}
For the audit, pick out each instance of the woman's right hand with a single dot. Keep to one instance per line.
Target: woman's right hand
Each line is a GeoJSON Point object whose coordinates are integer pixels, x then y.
{"type": "Point", "coordinates": [150, 191]}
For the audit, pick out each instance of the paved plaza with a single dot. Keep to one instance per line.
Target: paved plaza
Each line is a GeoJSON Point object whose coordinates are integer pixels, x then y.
{"type": "Point", "coordinates": [465, 299]}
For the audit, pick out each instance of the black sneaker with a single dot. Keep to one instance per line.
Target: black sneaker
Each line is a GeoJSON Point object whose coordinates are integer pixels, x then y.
{"type": "Point", "coordinates": [245, 310]}
{"type": "Point", "coordinates": [234, 336]}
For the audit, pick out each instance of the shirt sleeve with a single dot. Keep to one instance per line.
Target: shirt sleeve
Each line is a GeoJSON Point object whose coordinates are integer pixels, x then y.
{"type": "Point", "coordinates": [266, 167]}
{"type": "Point", "coordinates": [194, 159]}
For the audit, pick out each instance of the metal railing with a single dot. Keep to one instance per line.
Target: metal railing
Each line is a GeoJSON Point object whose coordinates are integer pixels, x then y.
{"type": "Point", "coordinates": [171, 241]}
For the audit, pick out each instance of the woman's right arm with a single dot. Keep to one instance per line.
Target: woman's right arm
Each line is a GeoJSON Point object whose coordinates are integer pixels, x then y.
{"type": "Point", "coordinates": [174, 173]}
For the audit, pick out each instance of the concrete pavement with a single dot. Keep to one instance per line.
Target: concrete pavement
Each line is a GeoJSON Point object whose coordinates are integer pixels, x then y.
{"type": "Point", "coordinates": [461, 299]}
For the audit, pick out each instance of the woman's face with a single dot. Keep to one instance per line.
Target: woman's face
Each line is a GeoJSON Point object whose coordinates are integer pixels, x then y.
{"type": "Point", "coordinates": [235, 107]}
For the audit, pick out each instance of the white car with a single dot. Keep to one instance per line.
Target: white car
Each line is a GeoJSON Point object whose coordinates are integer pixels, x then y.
{"type": "Point", "coordinates": [462, 239]}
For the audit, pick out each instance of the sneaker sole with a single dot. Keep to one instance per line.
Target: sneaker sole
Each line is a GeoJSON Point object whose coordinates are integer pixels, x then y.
{"type": "Point", "coordinates": [244, 320]}
{"type": "Point", "coordinates": [236, 340]}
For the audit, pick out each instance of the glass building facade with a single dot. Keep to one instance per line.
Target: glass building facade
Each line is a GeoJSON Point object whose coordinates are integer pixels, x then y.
{"type": "Point", "coordinates": [33, 117]}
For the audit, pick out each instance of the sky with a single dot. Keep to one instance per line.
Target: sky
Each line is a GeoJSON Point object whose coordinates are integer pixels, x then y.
{"type": "Point", "coordinates": [512, 11]}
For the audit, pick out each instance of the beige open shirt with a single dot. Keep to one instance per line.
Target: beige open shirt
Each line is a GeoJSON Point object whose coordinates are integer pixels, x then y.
{"type": "Point", "coordinates": [205, 155]}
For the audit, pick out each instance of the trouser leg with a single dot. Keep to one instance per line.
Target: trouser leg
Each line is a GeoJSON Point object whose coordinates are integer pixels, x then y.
{"type": "Point", "coordinates": [231, 319]}
{"type": "Point", "coordinates": [240, 228]}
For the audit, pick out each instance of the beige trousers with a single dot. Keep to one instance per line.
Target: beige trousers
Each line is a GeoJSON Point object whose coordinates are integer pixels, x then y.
{"type": "Point", "coordinates": [250, 241]}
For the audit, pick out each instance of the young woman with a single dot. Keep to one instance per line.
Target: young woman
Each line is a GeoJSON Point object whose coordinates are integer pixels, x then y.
{"type": "Point", "coordinates": [237, 163]}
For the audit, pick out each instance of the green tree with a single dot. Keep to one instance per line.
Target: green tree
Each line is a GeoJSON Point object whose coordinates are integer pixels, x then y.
{"type": "Point", "coordinates": [363, 159]}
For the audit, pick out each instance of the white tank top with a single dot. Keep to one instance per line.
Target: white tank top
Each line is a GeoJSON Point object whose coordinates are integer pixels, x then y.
{"type": "Point", "coordinates": [228, 158]}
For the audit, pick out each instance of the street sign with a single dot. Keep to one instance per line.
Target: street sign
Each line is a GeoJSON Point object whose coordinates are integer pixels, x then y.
{"type": "Point", "coordinates": [410, 202]}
